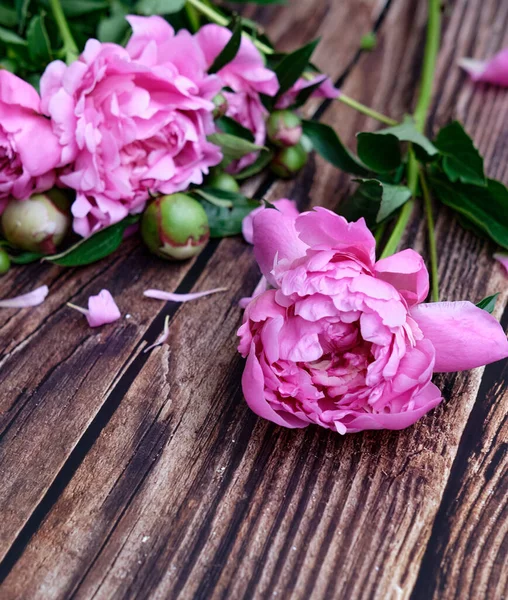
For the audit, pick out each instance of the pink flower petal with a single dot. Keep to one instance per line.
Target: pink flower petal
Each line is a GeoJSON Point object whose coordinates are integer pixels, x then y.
{"type": "Point", "coordinates": [503, 259]}
{"type": "Point", "coordinates": [102, 309]}
{"type": "Point", "coordinates": [407, 272]}
{"type": "Point", "coordinates": [285, 206]}
{"type": "Point", "coordinates": [163, 337]}
{"type": "Point", "coordinates": [463, 335]}
{"type": "Point", "coordinates": [33, 298]}
{"type": "Point", "coordinates": [173, 297]}
{"type": "Point", "coordinates": [493, 71]}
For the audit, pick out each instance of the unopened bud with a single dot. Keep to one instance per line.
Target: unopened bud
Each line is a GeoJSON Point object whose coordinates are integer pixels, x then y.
{"type": "Point", "coordinates": [284, 128]}
{"type": "Point", "coordinates": [38, 224]}
{"type": "Point", "coordinates": [289, 161]}
{"type": "Point", "coordinates": [175, 227]}
{"type": "Point", "coordinates": [223, 181]}
{"type": "Point", "coordinates": [221, 106]}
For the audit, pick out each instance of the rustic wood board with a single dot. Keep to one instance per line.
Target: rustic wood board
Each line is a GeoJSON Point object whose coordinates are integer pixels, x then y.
{"type": "Point", "coordinates": [132, 475]}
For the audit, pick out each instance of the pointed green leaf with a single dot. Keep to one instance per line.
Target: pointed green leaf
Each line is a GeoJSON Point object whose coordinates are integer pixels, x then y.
{"type": "Point", "coordinates": [10, 38]}
{"type": "Point", "coordinates": [37, 37]}
{"type": "Point", "coordinates": [374, 201]}
{"type": "Point", "coordinates": [262, 161]}
{"type": "Point", "coordinates": [327, 143]}
{"type": "Point", "coordinates": [461, 160]}
{"type": "Point", "coordinates": [225, 221]}
{"type": "Point", "coordinates": [159, 7]}
{"type": "Point", "coordinates": [292, 66]}
{"type": "Point", "coordinates": [229, 125]}
{"type": "Point", "coordinates": [230, 50]}
{"type": "Point", "coordinates": [486, 207]}
{"type": "Point", "coordinates": [381, 153]}
{"type": "Point", "coordinates": [407, 132]}
{"type": "Point", "coordinates": [232, 147]}
{"type": "Point", "coordinates": [488, 303]}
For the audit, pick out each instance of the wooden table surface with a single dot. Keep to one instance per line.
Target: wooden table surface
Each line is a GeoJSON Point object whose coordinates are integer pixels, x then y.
{"type": "Point", "coordinates": [127, 474]}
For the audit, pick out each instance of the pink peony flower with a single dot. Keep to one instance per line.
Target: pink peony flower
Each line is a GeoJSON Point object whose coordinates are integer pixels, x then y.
{"type": "Point", "coordinates": [285, 206]}
{"type": "Point", "coordinates": [248, 77]}
{"type": "Point", "coordinates": [494, 70]}
{"type": "Point", "coordinates": [133, 120]}
{"type": "Point", "coordinates": [343, 341]}
{"type": "Point", "coordinates": [25, 167]}
{"type": "Point", "coordinates": [325, 90]}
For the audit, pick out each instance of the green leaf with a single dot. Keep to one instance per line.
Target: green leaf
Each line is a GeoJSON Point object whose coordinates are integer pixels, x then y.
{"type": "Point", "coordinates": [159, 7]}
{"type": "Point", "coordinates": [216, 196]}
{"type": "Point", "coordinates": [77, 8]}
{"type": "Point", "coordinates": [229, 125]}
{"type": "Point", "coordinates": [114, 28]}
{"type": "Point", "coordinates": [230, 50]}
{"type": "Point", "coordinates": [228, 221]}
{"type": "Point", "coordinates": [381, 153]}
{"type": "Point", "coordinates": [374, 201]}
{"type": "Point", "coordinates": [292, 66]}
{"type": "Point", "coordinates": [8, 16]}
{"type": "Point", "coordinates": [461, 160]}
{"type": "Point", "coordinates": [232, 147]}
{"type": "Point", "coordinates": [37, 37]}
{"type": "Point", "coordinates": [488, 303]}
{"type": "Point", "coordinates": [262, 161]}
{"type": "Point", "coordinates": [10, 38]}
{"type": "Point", "coordinates": [327, 143]}
{"type": "Point", "coordinates": [95, 247]}
{"type": "Point", "coordinates": [407, 132]}
{"type": "Point", "coordinates": [486, 207]}
{"type": "Point", "coordinates": [25, 258]}
{"type": "Point", "coordinates": [21, 11]}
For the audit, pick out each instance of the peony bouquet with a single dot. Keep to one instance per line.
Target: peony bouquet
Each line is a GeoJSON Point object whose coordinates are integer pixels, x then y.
{"type": "Point", "coordinates": [148, 117]}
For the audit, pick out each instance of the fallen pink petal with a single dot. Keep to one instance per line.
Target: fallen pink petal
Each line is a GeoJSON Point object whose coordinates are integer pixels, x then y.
{"type": "Point", "coordinates": [174, 297]}
{"type": "Point", "coordinates": [163, 337]}
{"type": "Point", "coordinates": [494, 70]}
{"type": "Point", "coordinates": [102, 309]}
{"type": "Point", "coordinates": [33, 298]}
{"type": "Point", "coordinates": [503, 259]}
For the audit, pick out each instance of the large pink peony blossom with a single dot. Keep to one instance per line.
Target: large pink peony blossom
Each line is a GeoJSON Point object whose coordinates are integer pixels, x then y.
{"type": "Point", "coordinates": [247, 77]}
{"type": "Point", "coordinates": [25, 167]}
{"type": "Point", "coordinates": [133, 120]}
{"type": "Point", "coordinates": [344, 341]}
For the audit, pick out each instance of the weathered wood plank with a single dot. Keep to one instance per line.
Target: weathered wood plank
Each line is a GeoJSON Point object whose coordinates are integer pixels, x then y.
{"type": "Point", "coordinates": [185, 491]}
{"type": "Point", "coordinates": [54, 384]}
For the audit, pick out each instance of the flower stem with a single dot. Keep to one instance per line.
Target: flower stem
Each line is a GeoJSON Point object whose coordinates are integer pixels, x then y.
{"type": "Point", "coordinates": [366, 110]}
{"type": "Point", "coordinates": [432, 238]}
{"type": "Point", "coordinates": [217, 17]}
{"type": "Point", "coordinates": [420, 116]}
{"type": "Point", "coordinates": [70, 47]}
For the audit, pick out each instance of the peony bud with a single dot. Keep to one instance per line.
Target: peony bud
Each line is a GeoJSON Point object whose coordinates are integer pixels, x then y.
{"type": "Point", "coordinates": [289, 161]}
{"type": "Point", "coordinates": [175, 227]}
{"type": "Point", "coordinates": [221, 106]}
{"type": "Point", "coordinates": [5, 261]}
{"type": "Point", "coordinates": [284, 128]}
{"type": "Point", "coordinates": [38, 224]}
{"type": "Point", "coordinates": [223, 181]}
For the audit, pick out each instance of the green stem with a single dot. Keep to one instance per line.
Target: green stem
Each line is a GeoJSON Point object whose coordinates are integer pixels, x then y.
{"type": "Point", "coordinates": [70, 47]}
{"type": "Point", "coordinates": [366, 110]}
{"type": "Point", "coordinates": [217, 17]}
{"type": "Point", "coordinates": [432, 238]}
{"type": "Point", "coordinates": [420, 116]}
{"type": "Point", "coordinates": [380, 231]}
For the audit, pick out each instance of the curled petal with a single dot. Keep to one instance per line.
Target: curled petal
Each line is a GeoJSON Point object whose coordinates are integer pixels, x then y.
{"type": "Point", "coordinates": [286, 207]}
{"type": "Point", "coordinates": [33, 298]}
{"type": "Point", "coordinates": [102, 309]}
{"type": "Point", "coordinates": [163, 337]}
{"type": "Point", "coordinates": [173, 297]}
{"type": "Point", "coordinates": [503, 259]}
{"type": "Point", "coordinates": [407, 272]}
{"type": "Point", "coordinates": [493, 71]}
{"type": "Point", "coordinates": [463, 335]}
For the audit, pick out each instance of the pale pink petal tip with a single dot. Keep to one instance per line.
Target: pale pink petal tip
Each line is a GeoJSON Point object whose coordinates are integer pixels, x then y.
{"type": "Point", "coordinates": [494, 70]}
{"type": "Point", "coordinates": [102, 309]}
{"type": "Point", "coordinates": [33, 298]}
{"type": "Point", "coordinates": [173, 297]}
{"type": "Point", "coordinates": [503, 259]}
{"type": "Point", "coordinates": [163, 337]}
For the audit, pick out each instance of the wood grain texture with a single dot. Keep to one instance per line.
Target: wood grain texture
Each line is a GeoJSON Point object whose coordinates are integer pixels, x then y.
{"type": "Point", "coordinates": [174, 489]}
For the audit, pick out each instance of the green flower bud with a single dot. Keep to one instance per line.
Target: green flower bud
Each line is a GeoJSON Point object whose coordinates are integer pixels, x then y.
{"type": "Point", "coordinates": [175, 227]}
{"type": "Point", "coordinates": [289, 161]}
{"type": "Point", "coordinates": [223, 181]}
{"type": "Point", "coordinates": [38, 224]}
{"type": "Point", "coordinates": [284, 128]}
{"type": "Point", "coordinates": [5, 261]}
{"type": "Point", "coordinates": [221, 106]}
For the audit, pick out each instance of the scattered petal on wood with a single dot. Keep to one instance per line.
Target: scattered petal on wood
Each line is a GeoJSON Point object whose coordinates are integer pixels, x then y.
{"type": "Point", "coordinates": [102, 309]}
{"type": "Point", "coordinates": [33, 298]}
{"type": "Point", "coordinates": [173, 297]}
{"type": "Point", "coordinates": [163, 337]}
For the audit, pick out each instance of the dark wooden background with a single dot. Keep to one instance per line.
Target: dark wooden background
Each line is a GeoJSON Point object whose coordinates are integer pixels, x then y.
{"type": "Point", "coordinates": [144, 475]}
